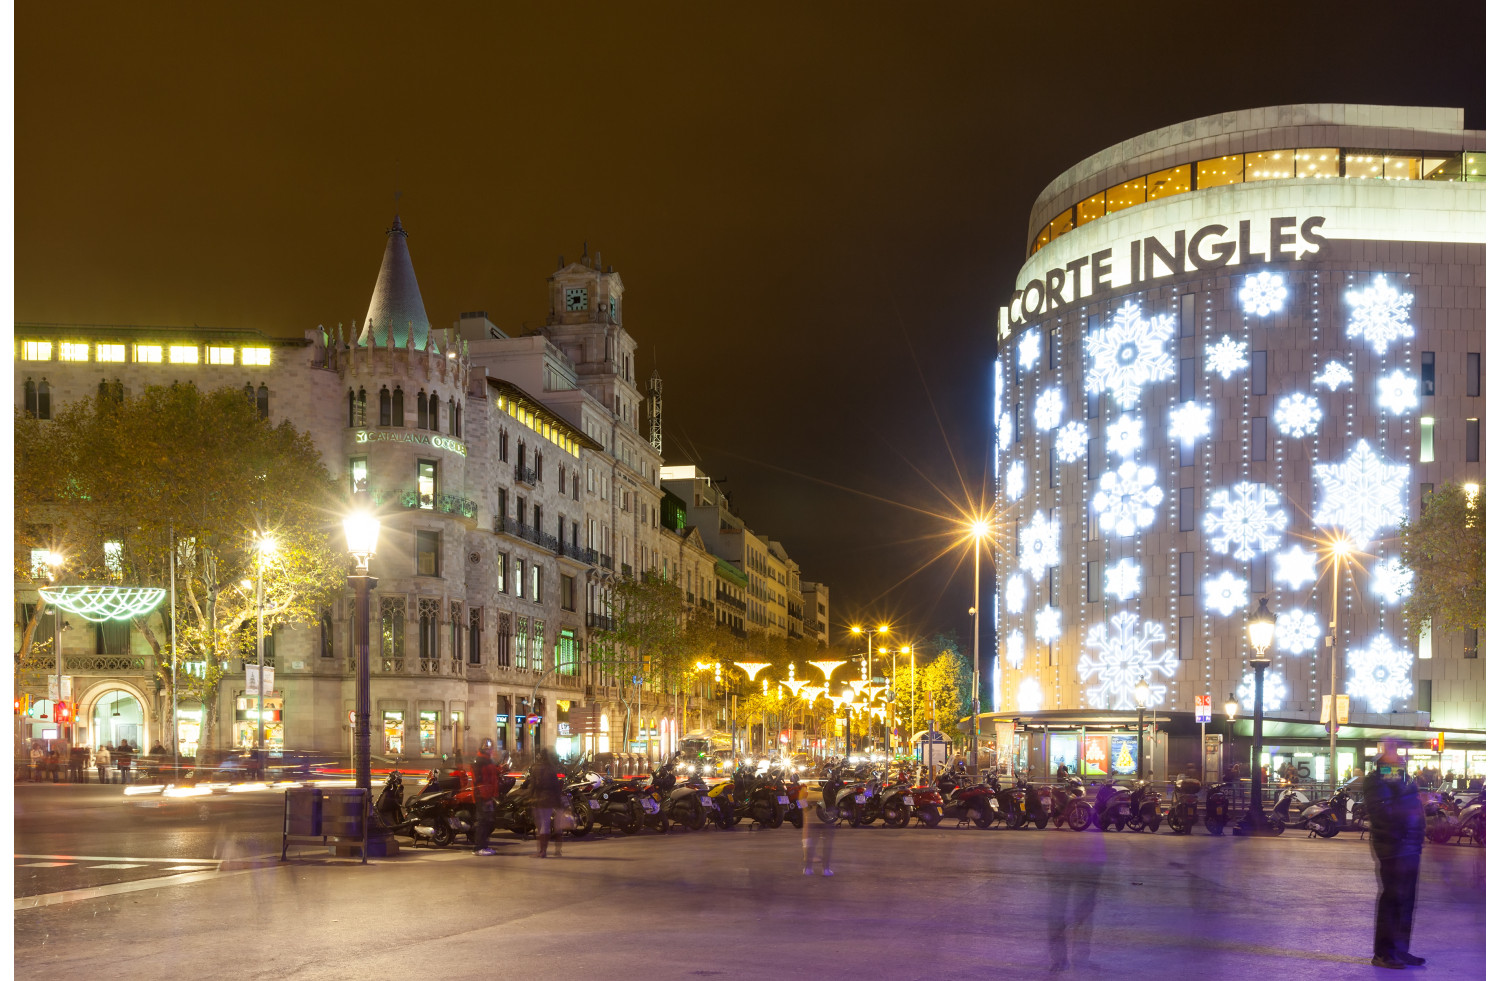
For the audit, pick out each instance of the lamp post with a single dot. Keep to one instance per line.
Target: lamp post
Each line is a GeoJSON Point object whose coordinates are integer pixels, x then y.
{"type": "Point", "coordinates": [1142, 692]}
{"type": "Point", "coordinates": [362, 532]}
{"type": "Point", "coordinates": [1339, 548]}
{"type": "Point", "coordinates": [264, 547]}
{"type": "Point", "coordinates": [1261, 628]}
{"type": "Point", "coordinates": [911, 723]}
{"type": "Point", "coordinates": [54, 562]}
{"type": "Point", "coordinates": [883, 629]}
{"type": "Point", "coordinates": [981, 531]}
{"type": "Point", "coordinates": [1231, 709]}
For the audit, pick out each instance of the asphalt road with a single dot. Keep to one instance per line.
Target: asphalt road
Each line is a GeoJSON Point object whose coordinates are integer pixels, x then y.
{"type": "Point", "coordinates": [911, 903]}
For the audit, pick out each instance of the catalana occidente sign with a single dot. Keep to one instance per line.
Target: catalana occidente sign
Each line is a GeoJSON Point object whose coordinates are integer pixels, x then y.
{"type": "Point", "coordinates": [1140, 261]}
{"type": "Point", "coordinates": [424, 439]}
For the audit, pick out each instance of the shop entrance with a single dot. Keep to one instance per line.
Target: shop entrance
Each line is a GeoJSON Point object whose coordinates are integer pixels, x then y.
{"type": "Point", "coordinates": [119, 715]}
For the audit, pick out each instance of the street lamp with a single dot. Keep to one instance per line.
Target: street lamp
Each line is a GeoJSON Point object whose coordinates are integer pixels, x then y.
{"type": "Point", "coordinates": [265, 546]}
{"type": "Point", "coordinates": [856, 630]}
{"type": "Point", "coordinates": [362, 532]}
{"type": "Point", "coordinates": [1339, 548]}
{"type": "Point", "coordinates": [981, 530]}
{"type": "Point", "coordinates": [1231, 709]}
{"type": "Point", "coordinates": [1261, 628]}
{"type": "Point", "coordinates": [1142, 692]}
{"type": "Point", "coordinates": [751, 669]}
{"type": "Point", "coordinates": [54, 562]}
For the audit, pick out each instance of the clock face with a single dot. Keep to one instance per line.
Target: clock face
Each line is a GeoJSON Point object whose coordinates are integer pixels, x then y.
{"type": "Point", "coordinates": [576, 298]}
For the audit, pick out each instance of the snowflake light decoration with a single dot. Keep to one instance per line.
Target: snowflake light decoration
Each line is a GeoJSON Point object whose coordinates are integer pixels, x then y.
{"type": "Point", "coordinates": [1048, 624]}
{"type": "Point", "coordinates": [1297, 631]}
{"type": "Point", "coordinates": [1003, 429]}
{"type": "Point", "coordinates": [1125, 657]}
{"type": "Point", "coordinates": [999, 390]}
{"type": "Point", "coordinates": [1380, 314]}
{"type": "Point", "coordinates": [1015, 648]}
{"type": "Point", "coordinates": [1127, 499]}
{"type": "Point", "coordinates": [1123, 579]}
{"type": "Point", "coordinates": [1039, 545]}
{"type": "Point", "coordinates": [1335, 374]}
{"type": "Point", "coordinates": [1296, 567]}
{"type": "Point", "coordinates": [1391, 580]}
{"type": "Point", "coordinates": [1123, 436]}
{"type": "Point", "coordinates": [1298, 415]}
{"type": "Point", "coordinates": [1029, 350]}
{"type": "Point", "coordinates": [1015, 480]}
{"type": "Point", "coordinates": [1049, 409]}
{"type": "Point", "coordinates": [1225, 356]}
{"type": "Point", "coordinates": [1398, 391]}
{"type": "Point", "coordinates": [1015, 593]}
{"type": "Point", "coordinates": [1272, 694]}
{"type": "Point", "coordinates": [1380, 673]}
{"type": "Point", "coordinates": [1361, 495]}
{"type": "Point", "coordinates": [1248, 517]}
{"type": "Point", "coordinates": [1263, 293]}
{"type": "Point", "coordinates": [1225, 593]}
{"type": "Point", "coordinates": [1072, 441]}
{"type": "Point", "coordinates": [1190, 422]}
{"type": "Point", "coordinates": [1029, 696]}
{"type": "Point", "coordinates": [1130, 353]}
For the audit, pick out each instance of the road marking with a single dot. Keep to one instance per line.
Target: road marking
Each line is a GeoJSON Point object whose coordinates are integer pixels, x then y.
{"type": "Point", "coordinates": [42, 865]}
{"type": "Point", "coordinates": [190, 868]}
{"type": "Point", "coordinates": [99, 892]}
{"type": "Point", "coordinates": [116, 858]}
{"type": "Point", "coordinates": [120, 865]}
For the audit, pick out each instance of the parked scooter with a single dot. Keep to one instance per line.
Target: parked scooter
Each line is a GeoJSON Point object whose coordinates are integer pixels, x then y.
{"type": "Point", "coordinates": [1112, 807]}
{"type": "Point", "coordinates": [1145, 808]}
{"type": "Point", "coordinates": [1291, 807]}
{"type": "Point", "coordinates": [1010, 802]}
{"type": "Point", "coordinates": [1184, 811]}
{"type": "Point", "coordinates": [426, 815]}
{"type": "Point", "coordinates": [1326, 818]}
{"type": "Point", "coordinates": [679, 804]}
{"type": "Point", "coordinates": [1216, 809]}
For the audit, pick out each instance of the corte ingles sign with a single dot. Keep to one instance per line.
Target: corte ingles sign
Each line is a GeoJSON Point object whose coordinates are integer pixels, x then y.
{"type": "Point", "coordinates": [425, 439]}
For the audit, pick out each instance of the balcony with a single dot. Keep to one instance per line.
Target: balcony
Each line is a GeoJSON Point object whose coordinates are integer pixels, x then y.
{"type": "Point", "coordinates": [607, 561]}
{"type": "Point", "coordinates": [442, 503]}
{"type": "Point", "coordinates": [598, 621]}
{"type": "Point", "coordinates": [575, 553]}
{"type": "Point", "coordinates": [734, 604]}
{"type": "Point", "coordinates": [526, 476]}
{"type": "Point", "coordinates": [527, 533]}
{"type": "Point", "coordinates": [626, 570]}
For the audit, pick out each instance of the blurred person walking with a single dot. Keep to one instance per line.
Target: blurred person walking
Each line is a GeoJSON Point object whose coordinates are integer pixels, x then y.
{"type": "Point", "coordinates": [122, 760]}
{"type": "Point", "coordinates": [814, 833]}
{"type": "Point", "coordinates": [38, 762]}
{"type": "Point", "coordinates": [101, 762]}
{"type": "Point", "coordinates": [546, 798]}
{"type": "Point", "coordinates": [1397, 824]}
{"type": "Point", "coordinates": [486, 791]}
{"type": "Point", "coordinates": [78, 758]}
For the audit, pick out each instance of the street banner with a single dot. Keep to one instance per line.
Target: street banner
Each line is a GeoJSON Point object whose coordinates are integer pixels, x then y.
{"type": "Point", "coordinates": [1343, 710]}
{"type": "Point", "coordinates": [52, 688]}
{"type": "Point", "coordinates": [1202, 710]}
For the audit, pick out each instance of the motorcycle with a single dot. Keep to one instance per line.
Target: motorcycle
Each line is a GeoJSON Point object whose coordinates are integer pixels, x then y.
{"type": "Point", "coordinates": [673, 803]}
{"type": "Point", "coordinates": [1010, 802]}
{"type": "Point", "coordinates": [973, 802]}
{"type": "Point", "coordinates": [1061, 796]}
{"type": "Point", "coordinates": [893, 802]}
{"type": "Point", "coordinates": [617, 804]}
{"type": "Point", "coordinates": [1289, 800]}
{"type": "Point", "coordinates": [1326, 818]}
{"type": "Point", "coordinates": [1471, 821]}
{"type": "Point", "coordinates": [426, 816]}
{"type": "Point", "coordinates": [1184, 811]}
{"type": "Point", "coordinates": [760, 799]}
{"type": "Point", "coordinates": [1216, 809]}
{"type": "Point", "coordinates": [1038, 802]}
{"type": "Point", "coordinates": [1145, 808]}
{"type": "Point", "coordinates": [1442, 812]}
{"type": "Point", "coordinates": [1111, 807]}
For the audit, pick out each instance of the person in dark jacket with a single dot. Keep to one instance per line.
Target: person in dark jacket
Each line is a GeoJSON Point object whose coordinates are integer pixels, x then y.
{"type": "Point", "coordinates": [546, 797]}
{"type": "Point", "coordinates": [486, 793]}
{"type": "Point", "coordinates": [1397, 824]}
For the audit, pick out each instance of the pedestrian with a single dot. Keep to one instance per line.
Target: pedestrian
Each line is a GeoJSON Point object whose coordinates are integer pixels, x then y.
{"type": "Point", "coordinates": [546, 797]}
{"type": "Point", "coordinates": [38, 762]}
{"type": "Point", "coordinates": [77, 762]}
{"type": "Point", "coordinates": [101, 762]}
{"type": "Point", "coordinates": [1397, 825]}
{"type": "Point", "coordinates": [814, 831]}
{"type": "Point", "coordinates": [122, 760]}
{"type": "Point", "coordinates": [1062, 772]}
{"type": "Point", "coordinates": [52, 763]}
{"type": "Point", "coordinates": [486, 792]}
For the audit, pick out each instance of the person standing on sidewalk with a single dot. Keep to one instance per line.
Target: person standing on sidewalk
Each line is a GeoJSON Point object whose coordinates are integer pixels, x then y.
{"type": "Point", "coordinates": [101, 762]}
{"type": "Point", "coordinates": [1398, 824]}
{"type": "Point", "coordinates": [486, 791]}
{"type": "Point", "coordinates": [38, 762]}
{"type": "Point", "coordinates": [546, 798]}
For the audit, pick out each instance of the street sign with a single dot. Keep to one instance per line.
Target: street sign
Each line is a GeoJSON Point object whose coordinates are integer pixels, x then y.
{"type": "Point", "coordinates": [1202, 709]}
{"type": "Point", "coordinates": [532, 720]}
{"type": "Point", "coordinates": [351, 717]}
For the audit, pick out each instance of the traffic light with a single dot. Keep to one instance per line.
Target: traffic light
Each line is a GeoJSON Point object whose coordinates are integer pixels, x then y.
{"type": "Point", "coordinates": [1438, 742]}
{"type": "Point", "coordinates": [64, 712]}
{"type": "Point", "coordinates": [20, 709]}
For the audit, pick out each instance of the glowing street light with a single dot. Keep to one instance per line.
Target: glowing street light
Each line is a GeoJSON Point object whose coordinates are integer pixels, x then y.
{"type": "Point", "coordinates": [1261, 627]}
{"type": "Point", "coordinates": [981, 530]}
{"type": "Point", "coordinates": [362, 533]}
{"type": "Point", "coordinates": [265, 547]}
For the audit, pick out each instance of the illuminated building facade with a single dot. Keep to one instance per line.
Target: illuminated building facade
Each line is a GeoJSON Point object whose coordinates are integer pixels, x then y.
{"type": "Point", "coordinates": [1233, 340]}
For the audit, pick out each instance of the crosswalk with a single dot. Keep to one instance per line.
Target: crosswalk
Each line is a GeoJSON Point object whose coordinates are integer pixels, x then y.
{"type": "Point", "coordinates": [44, 880]}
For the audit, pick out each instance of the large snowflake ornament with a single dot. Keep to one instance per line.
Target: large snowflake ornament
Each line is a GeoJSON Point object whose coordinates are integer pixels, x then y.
{"type": "Point", "coordinates": [1298, 415]}
{"type": "Point", "coordinates": [1039, 545]}
{"type": "Point", "coordinates": [1015, 480]}
{"type": "Point", "coordinates": [1297, 631]}
{"type": "Point", "coordinates": [1398, 392]}
{"type": "Point", "coordinates": [1225, 356]}
{"type": "Point", "coordinates": [1380, 313]}
{"type": "Point", "coordinates": [1015, 593]}
{"type": "Point", "coordinates": [1123, 436]}
{"type": "Point", "coordinates": [1380, 673]}
{"type": "Point", "coordinates": [1361, 495]}
{"type": "Point", "coordinates": [1003, 430]}
{"type": "Point", "coordinates": [1296, 567]}
{"type": "Point", "coordinates": [1334, 374]}
{"type": "Point", "coordinates": [1125, 657]}
{"type": "Point", "coordinates": [1029, 695]}
{"type": "Point", "coordinates": [1049, 409]}
{"type": "Point", "coordinates": [1015, 648]}
{"type": "Point", "coordinates": [1225, 593]}
{"type": "Point", "coordinates": [1048, 624]}
{"type": "Point", "coordinates": [1029, 350]}
{"type": "Point", "coordinates": [1072, 441]}
{"type": "Point", "coordinates": [1123, 579]}
{"type": "Point", "coordinates": [1272, 694]}
{"type": "Point", "coordinates": [1129, 353]}
{"type": "Point", "coordinates": [1127, 499]}
{"type": "Point", "coordinates": [1248, 517]}
{"type": "Point", "coordinates": [1391, 580]}
{"type": "Point", "coordinates": [1190, 421]}
{"type": "Point", "coordinates": [1263, 293]}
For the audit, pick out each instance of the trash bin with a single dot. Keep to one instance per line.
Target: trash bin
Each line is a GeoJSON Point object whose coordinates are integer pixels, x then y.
{"type": "Point", "coordinates": [342, 813]}
{"type": "Point", "coordinates": [304, 812]}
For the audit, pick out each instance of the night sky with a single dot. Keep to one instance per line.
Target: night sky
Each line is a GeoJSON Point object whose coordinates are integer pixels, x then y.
{"type": "Point", "coordinates": [816, 212]}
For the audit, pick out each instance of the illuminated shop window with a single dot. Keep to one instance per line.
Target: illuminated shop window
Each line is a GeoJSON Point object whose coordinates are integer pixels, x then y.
{"type": "Point", "coordinates": [1428, 423]}
{"type": "Point", "coordinates": [183, 354]}
{"type": "Point", "coordinates": [1125, 195]}
{"type": "Point", "coordinates": [1062, 223]}
{"type": "Point", "coordinates": [426, 483]}
{"type": "Point", "coordinates": [359, 474]}
{"type": "Point", "coordinates": [69, 351]}
{"type": "Point", "coordinates": [36, 350]}
{"type": "Point", "coordinates": [1221, 170]}
{"type": "Point", "coordinates": [148, 353]}
{"type": "Point", "coordinates": [1090, 209]}
{"type": "Point", "coordinates": [221, 355]}
{"type": "Point", "coordinates": [1165, 183]}
{"type": "Point", "coordinates": [1364, 165]}
{"type": "Point", "coordinates": [1317, 162]}
{"type": "Point", "coordinates": [1270, 165]}
{"type": "Point", "coordinates": [1402, 168]}
{"type": "Point", "coordinates": [110, 352]}
{"type": "Point", "coordinates": [255, 355]}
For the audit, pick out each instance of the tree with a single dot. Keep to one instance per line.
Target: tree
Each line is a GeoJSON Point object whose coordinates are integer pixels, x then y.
{"type": "Point", "coordinates": [201, 472]}
{"type": "Point", "coordinates": [1444, 549]}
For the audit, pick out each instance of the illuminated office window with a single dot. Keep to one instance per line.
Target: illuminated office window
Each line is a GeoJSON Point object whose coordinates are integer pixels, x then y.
{"type": "Point", "coordinates": [69, 351]}
{"type": "Point", "coordinates": [255, 355]}
{"type": "Point", "coordinates": [1428, 422]}
{"type": "Point", "coordinates": [110, 352]}
{"type": "Point", "coordinates": [148, 353]}
{"type": "Point", "coordinates": [36, 350]}
{"type": "Point", "coordinates": [183, 354]}
{"type": "Point", "coordinates": [221, 355]}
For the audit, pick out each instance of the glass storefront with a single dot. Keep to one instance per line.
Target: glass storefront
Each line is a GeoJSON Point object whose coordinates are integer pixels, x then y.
{"type": "Point", "coordinates": [427, 733]}
{"type": "Point", "coordinates": [394, 728]}
{"type": "Point", "coordinates": [118, 715]}
{"type": "Point", "coordinates": [1062, 749]}
{"type": "Point", "coordinates": [245, 722]}
{"type": "Point", "coordinates": [189, 727]}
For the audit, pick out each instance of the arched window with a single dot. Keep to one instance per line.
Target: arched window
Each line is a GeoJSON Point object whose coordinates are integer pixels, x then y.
{"type": "Point", "coordinates": [422, 410]}
{"type": "Point", "coordinates": [451, 418]}
{"type": "Point", "coordinates": [433, 422]}
{"type": "Point", "coordinates": [263, 402]}
{"type": "Point", "coordinates": [250, 395]}
{"type": "Point", "coordinates": [44, 400]}
{"type": "Point", "coordinates": [385, 406]}
{"type": "Point", "coordinates": [351, 407]}
{"type": "Point", "coordinates": [398, 408]}
{"type": "Point", "coordinates": [359, 408]}
{"type": "Point", "coordinates": [31, 398]}
{"type": "Point", "coordinates": [458, 421]}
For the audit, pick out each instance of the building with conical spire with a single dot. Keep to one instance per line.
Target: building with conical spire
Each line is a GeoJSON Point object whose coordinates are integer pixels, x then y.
{"type": "Point", "coordinates": [396, 310]}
